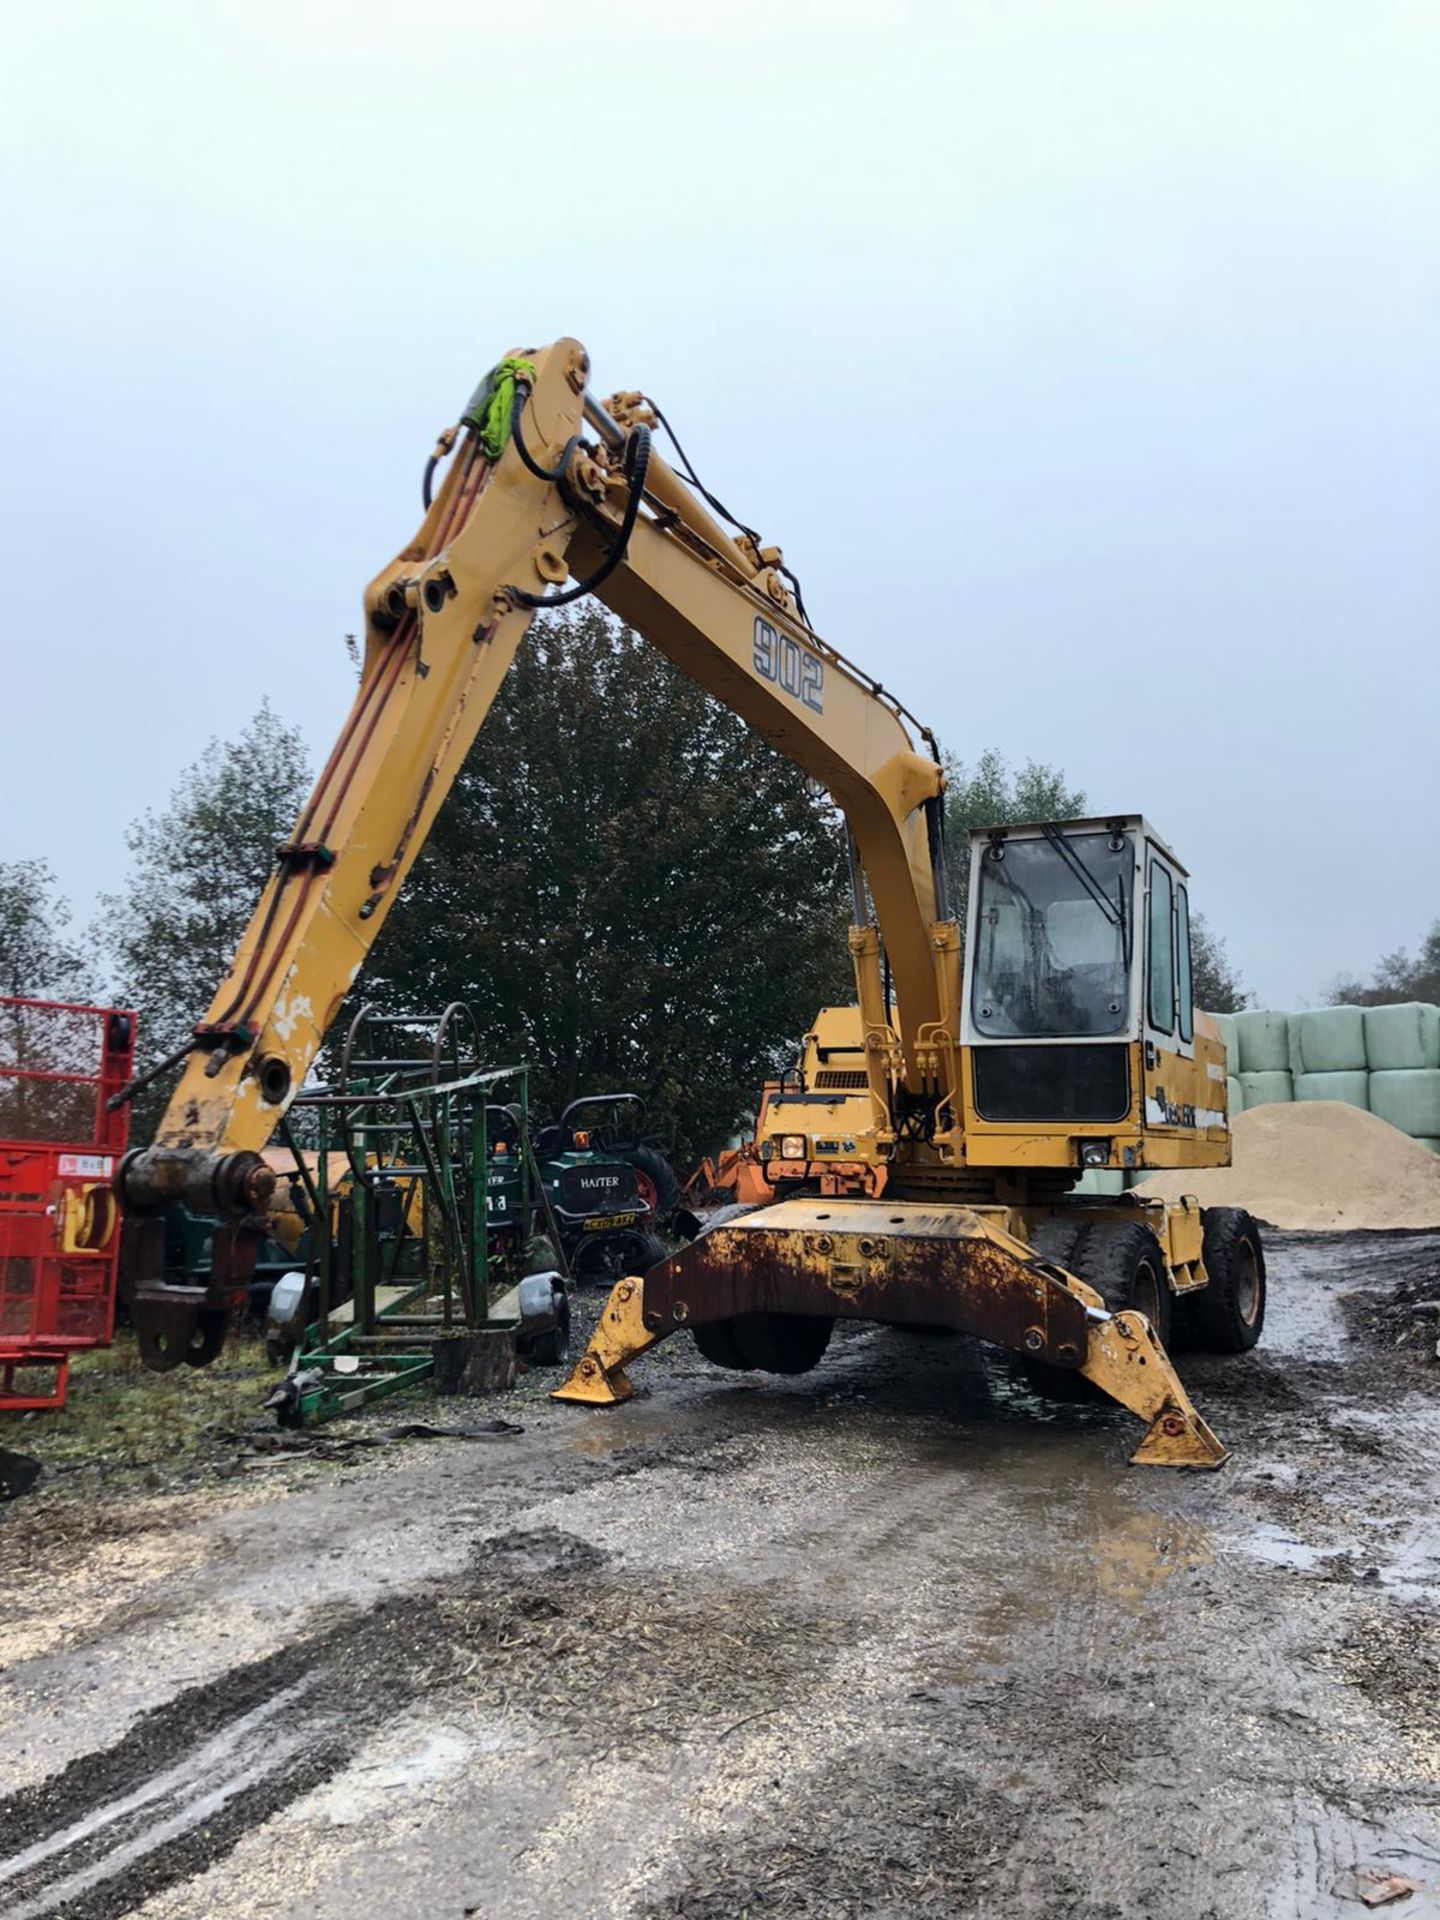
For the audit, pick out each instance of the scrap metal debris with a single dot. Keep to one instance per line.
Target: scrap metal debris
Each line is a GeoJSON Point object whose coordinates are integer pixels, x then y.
{"type": "Point", "coordinates": [1375, 1887]}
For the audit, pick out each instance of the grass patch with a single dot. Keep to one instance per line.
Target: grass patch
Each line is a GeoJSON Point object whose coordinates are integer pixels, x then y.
{"type": "Point", "coordinates": [127, 1426]}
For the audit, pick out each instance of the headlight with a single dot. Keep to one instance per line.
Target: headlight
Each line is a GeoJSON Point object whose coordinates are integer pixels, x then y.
{"type": "Point", "coordinates": [792, 1146]}
{"type": "Point", "coordinates": [1095, 1153]}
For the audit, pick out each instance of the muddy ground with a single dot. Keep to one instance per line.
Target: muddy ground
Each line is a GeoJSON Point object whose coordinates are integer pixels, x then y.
{"type": "Point", "coordinates": [891, 1639]}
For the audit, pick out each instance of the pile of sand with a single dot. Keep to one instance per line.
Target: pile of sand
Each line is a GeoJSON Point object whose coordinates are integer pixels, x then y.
{"type": "Point", "coordinates": [1318, 1166]}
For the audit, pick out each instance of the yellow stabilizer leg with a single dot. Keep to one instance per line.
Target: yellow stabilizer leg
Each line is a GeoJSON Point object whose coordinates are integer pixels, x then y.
{"type": "Point", "coordinates": [598, 1378]}
{"type": "Point", "coordinates": [1125, 1360]}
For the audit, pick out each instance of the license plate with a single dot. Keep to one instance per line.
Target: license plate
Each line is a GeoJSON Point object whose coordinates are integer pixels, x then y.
{"type": "Point", "coordinates": [610, 1220]}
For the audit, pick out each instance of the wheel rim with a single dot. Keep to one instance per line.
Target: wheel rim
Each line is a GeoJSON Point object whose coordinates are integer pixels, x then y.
{"type": "Point", "coordinates": [648, 1191]}
{"type": "Point", "coordinates": [1145, 1296]}
{"type": "Point", "coordinates": [1247, 1283]}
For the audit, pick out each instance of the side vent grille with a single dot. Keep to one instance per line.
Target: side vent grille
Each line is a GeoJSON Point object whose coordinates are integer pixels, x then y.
{"type": "Point", "coordinates": [841, 1080]}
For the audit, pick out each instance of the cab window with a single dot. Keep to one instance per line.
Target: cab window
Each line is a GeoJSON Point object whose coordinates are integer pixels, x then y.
{"type": "Point", "coordinates": [1182, 956]}
{"type": "Point", "coordinates": [1053, 946]}
{"type": "Point", "coordinates": [1162, 950]}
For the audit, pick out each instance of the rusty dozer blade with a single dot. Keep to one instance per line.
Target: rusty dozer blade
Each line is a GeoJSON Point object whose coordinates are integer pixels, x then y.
{"type": "Point", "coordinates": [907, 1263]}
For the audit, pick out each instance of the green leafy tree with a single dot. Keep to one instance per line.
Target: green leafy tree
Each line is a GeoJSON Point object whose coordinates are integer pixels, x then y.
{"type": "Point", "coordinates": [199, 866]}
{"type": "Point", "coordinates": [1397, 977]}
{"type": "Point", "coordinates": [40, 961]}
{"type": "Point", "coordinates": [988, 792]}
{"type": "Point", "coordinates": [633, 890]}
{"type": "Point", "coordinates": [1218, 987]}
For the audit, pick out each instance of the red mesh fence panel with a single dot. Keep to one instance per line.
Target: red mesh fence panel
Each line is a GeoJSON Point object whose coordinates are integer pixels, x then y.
{"type": "Point", "coordinates": [59, 1224]}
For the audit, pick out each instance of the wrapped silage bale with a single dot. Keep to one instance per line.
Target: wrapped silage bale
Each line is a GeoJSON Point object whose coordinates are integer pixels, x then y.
{"type": "Point", "coordinates": [1401, 1037]}
{"type": "Point", "coordinates": [1421, 1141]}
{"type": "Point", "coordinates": [1327, 1040]}
{"type": "Point", "coordinates": [1226, 1023]}
{"type": "Point", "coordinates": [1352, 1088]}
{"type": "Point", "coordinates": [1266, 1089]}
{"type": "Point", "coordinates": [1234, 1094]}
{"type": "Point", "coordinates": [1100, 1180]}
{"type": "Point", "coordinates": [1409, 1098]}
{"type": "Point", "coordinates": [1264, 1046]}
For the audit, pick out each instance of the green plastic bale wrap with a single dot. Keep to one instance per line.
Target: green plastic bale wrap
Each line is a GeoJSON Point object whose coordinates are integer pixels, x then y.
{"type": "Point", "coordinates": [1226, 1023]}
{"type": "Point", "coordinates": [1100, 1180]}
{"type": "Point", "coordinates": [1234, 1094]}
{"type": "Point", "coordinates": [1352, 1088]}
{"type": "Point", "coordinates": [1421, 1141]}
{"type": "Point", "coordinates": [1403, 1036]}
{"type": "Point", "coordinates": [1328, 1040]}
{"type": "Point", "coordinates": [1266, 1089]}
{"type": "Point", "coordinates": [1409, 1098]}
{"type": "Point", "coordinates": [1264, 1044]}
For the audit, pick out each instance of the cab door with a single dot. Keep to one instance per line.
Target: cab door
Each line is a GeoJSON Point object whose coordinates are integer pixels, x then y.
{"type": "Point", "coordinates": [1169, 1025]}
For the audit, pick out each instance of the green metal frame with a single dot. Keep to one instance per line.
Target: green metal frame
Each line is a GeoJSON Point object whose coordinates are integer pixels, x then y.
{"type": "Point", "coordinates": [393, 1338]}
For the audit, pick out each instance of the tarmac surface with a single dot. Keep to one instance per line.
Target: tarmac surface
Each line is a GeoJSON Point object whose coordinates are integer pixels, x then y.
{"type": "Point", "coordinates": [894, 1638]}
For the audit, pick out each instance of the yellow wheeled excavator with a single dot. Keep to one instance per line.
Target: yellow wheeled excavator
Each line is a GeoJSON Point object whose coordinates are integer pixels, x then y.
{"type": "Point", "coordinates": [1070, 1045]}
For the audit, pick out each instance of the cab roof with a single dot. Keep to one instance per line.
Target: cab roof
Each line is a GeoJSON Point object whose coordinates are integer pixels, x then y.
{"type": "Point", "coordinates": [1125, 822]}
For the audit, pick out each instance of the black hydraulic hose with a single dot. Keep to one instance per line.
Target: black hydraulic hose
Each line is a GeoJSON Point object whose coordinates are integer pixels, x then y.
{"type": "Point", "coordinates": [637, 461]}
{"type": "Point", "coordinates": [718, 506]}
{"type": "Point", "coordinates": [531, 465]}
{"type": "Point", "coordinates": [694, 478]}
{"type": "Point", "coordinates": [799, 596]}
{"type": "Point", "coordinates": [151, 1074]}
{"type": "Point", "coordinates": [443, 446]}
{"type": "Point", "coordinates": [935, 834]}
{"type": "Point", "coordinates": [428, 481]}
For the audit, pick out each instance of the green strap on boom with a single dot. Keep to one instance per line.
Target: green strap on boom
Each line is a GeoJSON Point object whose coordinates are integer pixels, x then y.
{"type": "Point", "coordinates": [493, 402]}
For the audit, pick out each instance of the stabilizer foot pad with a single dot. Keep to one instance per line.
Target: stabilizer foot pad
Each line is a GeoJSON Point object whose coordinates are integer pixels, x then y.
{"type": "Point", "coordinates": [598, 1378]}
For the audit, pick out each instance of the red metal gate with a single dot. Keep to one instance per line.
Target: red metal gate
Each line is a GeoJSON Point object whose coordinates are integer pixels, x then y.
{"type": "Point", "coordinates": [59, 1222]}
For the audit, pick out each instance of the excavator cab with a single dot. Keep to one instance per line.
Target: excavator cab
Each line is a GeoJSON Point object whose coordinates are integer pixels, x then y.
{"type": "Point", "coordinates": [1082, 1049]}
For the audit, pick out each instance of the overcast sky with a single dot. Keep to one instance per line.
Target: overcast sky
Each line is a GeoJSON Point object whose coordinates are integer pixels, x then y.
{"type": "Point", "coordinates": [1082, 357]}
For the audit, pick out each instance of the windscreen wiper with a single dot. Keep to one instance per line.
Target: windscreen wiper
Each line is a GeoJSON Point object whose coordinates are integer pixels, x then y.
{"type": "Point", "coordinates": [1114, 914]}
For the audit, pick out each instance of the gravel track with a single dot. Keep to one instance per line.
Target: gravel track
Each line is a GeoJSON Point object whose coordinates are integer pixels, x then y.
{"type": "Point", "coordinates": [892, 1638]}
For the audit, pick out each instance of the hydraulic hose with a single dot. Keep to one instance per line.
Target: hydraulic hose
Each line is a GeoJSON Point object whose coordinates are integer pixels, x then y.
{"type": "Point", "coordinates": [528, 460]}
{"type": "Point", "coordinates": [637, 461]}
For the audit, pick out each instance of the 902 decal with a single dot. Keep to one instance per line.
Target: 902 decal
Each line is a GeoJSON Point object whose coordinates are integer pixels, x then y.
{"type": "Point", "coordinates": [793, 670]}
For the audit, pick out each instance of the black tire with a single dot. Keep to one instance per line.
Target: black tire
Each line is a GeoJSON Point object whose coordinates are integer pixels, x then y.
{"type": "Point", "coordinates": [717, 1344]}
{"type": "Point", "coordinates": [716, 1340]}
{"type": "Point", "coordinates": [1228, 1315]}
{"type": "Point", "coordinates": [1122, 1261]}
{"type": "Point", "coordinates": [603, 1258]}
{"type": "Point", "coordinates": [766, 1342]}
{"type": "Point", "coordinates": [659, 1173]}
{"type": "Point", "coordinates": [762, 1342]}
{"type": "Point", "coordinates": [1057, 1240]}
{"type": "Point", "coordinates": [641, 1252]}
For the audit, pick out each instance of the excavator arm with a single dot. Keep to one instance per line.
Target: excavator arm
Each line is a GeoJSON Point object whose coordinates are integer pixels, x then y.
{"type": "Point", "coordinates": [545, 483]}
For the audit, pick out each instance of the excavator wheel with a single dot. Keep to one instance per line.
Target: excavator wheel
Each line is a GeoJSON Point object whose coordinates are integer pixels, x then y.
{"type": "Point", "coordinates": [1122, 1261]}
{"type": "Point", "coordinates": [765, 1342]}
{"type": "Point", "coordinates": [762, 1342]}
{"type": "Point", "coordinates": [1227, 1315]}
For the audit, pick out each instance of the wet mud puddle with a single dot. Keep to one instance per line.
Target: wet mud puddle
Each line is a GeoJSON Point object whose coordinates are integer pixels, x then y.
{"type": "Point", "coordinates": [891, 1638]}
